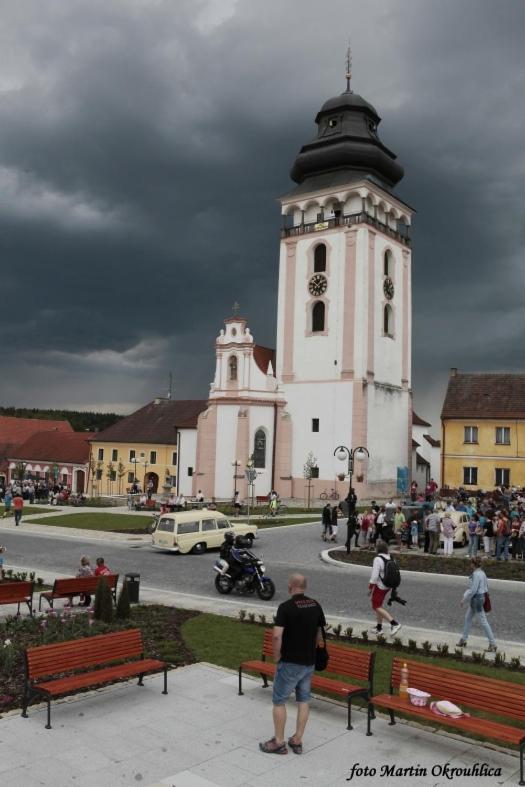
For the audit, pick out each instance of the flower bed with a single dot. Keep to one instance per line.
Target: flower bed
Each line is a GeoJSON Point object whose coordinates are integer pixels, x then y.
{"type": "Point", "coordinates": [160, 628]}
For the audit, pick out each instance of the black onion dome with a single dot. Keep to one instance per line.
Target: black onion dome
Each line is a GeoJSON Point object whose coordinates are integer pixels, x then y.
{"type": "Point", "coordinates": [347, 140]}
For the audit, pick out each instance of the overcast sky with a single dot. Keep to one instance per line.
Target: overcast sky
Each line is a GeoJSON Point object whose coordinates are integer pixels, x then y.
{"type": "Point", "coordinates": [143, 145]}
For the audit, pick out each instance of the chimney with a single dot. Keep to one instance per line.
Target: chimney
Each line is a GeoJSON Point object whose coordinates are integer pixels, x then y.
{"type": "Point", "coordinates": [453, 371]}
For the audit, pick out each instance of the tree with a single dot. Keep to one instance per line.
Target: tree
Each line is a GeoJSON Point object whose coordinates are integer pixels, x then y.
{"type": "Point", "coordinates": [310, 470]}
{"type": "Point", "coordinates": [123, 605]}
{"type": "Point", "coordinates": [121, 472]}
{"type": "Point", "coordinates": [20, 470]}
{"type": "Point", "coordinates": [103, 609]}
{"type": "Point", "coordinates": [111, 476]}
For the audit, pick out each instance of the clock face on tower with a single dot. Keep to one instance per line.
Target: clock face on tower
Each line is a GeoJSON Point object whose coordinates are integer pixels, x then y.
{"type": "Point", "coordinates": [318, 284]}
{"type": "Point", "coordinates": [388, 288]}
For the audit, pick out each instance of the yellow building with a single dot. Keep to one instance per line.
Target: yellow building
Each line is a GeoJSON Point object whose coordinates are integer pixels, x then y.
{"type": "Point", "coordinates": [483, 431]}
{"type": "Point", "coordinates": [156, 444]}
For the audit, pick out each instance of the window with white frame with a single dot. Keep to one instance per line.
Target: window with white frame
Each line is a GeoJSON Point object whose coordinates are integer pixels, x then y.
{"type": "Point", "coordinates": [470, 476]}
{"type": "Point", "coordinates": [502, 476]}
{"type": "Point", "coordinates": [471, 434]}
{"type": "Point", "coordinates": [503, 435]}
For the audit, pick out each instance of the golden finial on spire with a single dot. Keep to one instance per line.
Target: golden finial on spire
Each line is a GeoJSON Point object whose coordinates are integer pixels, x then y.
{"type": "Point", "coordinates": [348, 67]}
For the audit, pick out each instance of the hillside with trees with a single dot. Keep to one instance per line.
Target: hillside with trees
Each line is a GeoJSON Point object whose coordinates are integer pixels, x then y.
{"type": "Point", "coordinates": [80, 421]}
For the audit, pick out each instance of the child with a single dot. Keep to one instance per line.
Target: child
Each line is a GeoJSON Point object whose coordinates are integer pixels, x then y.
{"type": "Point", "coordinates": [405, 535]}
{"type": "Point", "coordinates": [414, 531]}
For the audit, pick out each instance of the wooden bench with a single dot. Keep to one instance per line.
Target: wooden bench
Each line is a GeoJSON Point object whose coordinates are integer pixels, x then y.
{"type": "Point", "coordinates": [60, 663]}
{"type": "Point", "coordinates": [77, 586]}
{"type": "Point", "coordinates": [17, 593]}
{"type": "Point", "coordinates": [343, 661]}
{"type": "Point", "coordinates": [470, 692]}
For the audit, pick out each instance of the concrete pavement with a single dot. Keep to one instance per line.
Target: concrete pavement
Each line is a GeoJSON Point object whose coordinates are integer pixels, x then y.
{"type": "Point", "coordinates": [202, 734]}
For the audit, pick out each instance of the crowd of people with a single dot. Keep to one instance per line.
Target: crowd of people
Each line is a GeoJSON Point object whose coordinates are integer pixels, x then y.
{"type": "Point", "coordinates": [39, 491]}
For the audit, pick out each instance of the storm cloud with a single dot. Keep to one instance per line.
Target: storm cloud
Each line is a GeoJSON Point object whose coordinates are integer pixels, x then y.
{"type": "Point", "coordinates": [143, 145]}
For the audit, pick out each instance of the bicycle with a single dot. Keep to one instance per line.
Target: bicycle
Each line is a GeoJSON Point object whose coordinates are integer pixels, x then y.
{"type": "Point", "coordinates": [331, 495]}
{"type": "Point", "coordinates": [281, 509]}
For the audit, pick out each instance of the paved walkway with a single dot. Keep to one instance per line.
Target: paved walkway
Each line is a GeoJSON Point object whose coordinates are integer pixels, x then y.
{"type": "Point", "coordinates": [204, 735]}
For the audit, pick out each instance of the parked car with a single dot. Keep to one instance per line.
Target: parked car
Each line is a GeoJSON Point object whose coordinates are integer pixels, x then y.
{"type": "Point", "coordinates": [197, 531]}
{"type": "Point", "coordinates": [461, 520]}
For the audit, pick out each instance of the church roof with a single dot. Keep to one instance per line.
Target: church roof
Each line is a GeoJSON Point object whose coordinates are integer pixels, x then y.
{"type": "Point", "coordinates": [263, 356]}
{"type": "Point", "coordinates": [156, 422]}
{"type": "Point", "coordinates": [485, 395]}
{"type": "Point", "coordinates": [417, 421]}
{"type": "Point", "coordinates": [347, 141]}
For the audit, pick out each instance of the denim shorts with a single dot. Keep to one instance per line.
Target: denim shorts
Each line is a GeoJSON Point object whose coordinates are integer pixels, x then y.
{"type": "Point", "coordinates": [290, 677]}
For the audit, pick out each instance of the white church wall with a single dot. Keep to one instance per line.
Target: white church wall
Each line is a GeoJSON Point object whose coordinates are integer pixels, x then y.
{"type": "Point", "coordinates": [262, 417]}
{"type": "Point", "coordinates": [388, 351]}
{"type": "Point", "coordinates": [388, 414]}
{"type": "Point", "coordinates": [187, 459]}
{"type": "Point", "coordinates": [225, 450]}
{"type": "Point", "coordinates": [361, 304]}
{"type": "Point", "coordinates": [331, 403]}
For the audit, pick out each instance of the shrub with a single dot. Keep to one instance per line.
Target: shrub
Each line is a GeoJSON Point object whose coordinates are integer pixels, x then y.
{"type": "Point", "coordinates": [32, 576]}
{"type": "Point", "coordinates": [398, 642]}
{"type": "Point", "coordinates": [499, 659]}
{"type": "Point", "coordinates": [442, 649]}
{"type": "Point", "coordinates": [364, 636]}
{"type": "Point", "coordinates": [381, 639]}
{"type": "Point", "coordinates": [458, 654]}
{"type": "Point", "coordinates": [427, 646]}
{"type": "Point", "coordinates": [262, 620]}
{"type": "Point", "coordinates": [348, 632]}
{"type": "Point", "coordinates": [242, 615]}
{"type": "Point", "coordinates": [412, 645]}
{"type": "Point", "coordinates": [337, 630]}
{"type": "Point", "coordinates": [477, 657]}
{"type": "Point", "coordinates": [39, 581]}
{"type": "Point", "coordinates": [103, 602]}
{"type": "Point", "coordinates": [251, 617]}
{"type": "Point", "coordinates": [123, 605]}
{"type": "Point", "coordinates": [514, 662]}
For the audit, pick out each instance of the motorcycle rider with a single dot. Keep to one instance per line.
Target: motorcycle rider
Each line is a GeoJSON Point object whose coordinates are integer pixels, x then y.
{"type": "Point", "coordinates": [229, 564]}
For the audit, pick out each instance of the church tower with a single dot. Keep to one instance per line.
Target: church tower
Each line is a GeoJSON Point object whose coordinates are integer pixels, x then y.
{"type": "Point", "coordinates": [344, 306]}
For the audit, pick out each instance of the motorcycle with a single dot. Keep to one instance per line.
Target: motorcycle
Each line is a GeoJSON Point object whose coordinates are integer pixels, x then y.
{"type": "Point", "coordinates": [251, 579]}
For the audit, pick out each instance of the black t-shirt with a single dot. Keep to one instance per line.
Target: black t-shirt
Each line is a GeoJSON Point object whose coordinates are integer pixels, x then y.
{"type": "Point", "coordinates": [300, 617]}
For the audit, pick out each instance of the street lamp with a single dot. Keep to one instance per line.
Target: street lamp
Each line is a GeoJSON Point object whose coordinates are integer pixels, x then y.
{"type": "Point", "coordinates": [144, 461]}
{"type": "Point", "coordinates": [359, 454]}
{"type": "Point", "coordinates": [235, 465]}
{"type": "Point", "coordinates": [251, 475]}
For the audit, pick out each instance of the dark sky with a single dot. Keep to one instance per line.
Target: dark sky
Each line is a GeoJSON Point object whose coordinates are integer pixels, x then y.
{"type": "Point", "coordinates": [143, 145]}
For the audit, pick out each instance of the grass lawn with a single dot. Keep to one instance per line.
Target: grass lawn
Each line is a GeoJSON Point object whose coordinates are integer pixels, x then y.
{"type": "Point", "coordinates": [37, 510]}
{"type": "Point", "coordinates": [227, 642]}
{"type": "Point", "coordinates": [115, 523]}
{"type": "Point", "coordinates": [279, 521]}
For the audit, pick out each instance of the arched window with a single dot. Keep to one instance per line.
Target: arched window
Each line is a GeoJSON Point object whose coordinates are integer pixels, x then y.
{"type": "Point", "coordinates": [318, 314]}
{"type": "Point", "coordinates": [232, 366]}
{"type": "Point", "coordinates": [320, 258]}
{"type": "Point", "coordinates": [388, 263]}
{"type": "Point", "coordinates": [388, 320]}
{"type": "Point", "coordinates": [259, 448]}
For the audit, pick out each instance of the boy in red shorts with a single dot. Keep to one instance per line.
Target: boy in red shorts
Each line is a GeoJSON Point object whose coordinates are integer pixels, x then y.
{"type": "Point", "coordinates": [378, 591]}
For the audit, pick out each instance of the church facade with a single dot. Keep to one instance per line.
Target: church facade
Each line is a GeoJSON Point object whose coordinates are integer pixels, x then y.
{"type": "Point", "coordinates": [341, 372]}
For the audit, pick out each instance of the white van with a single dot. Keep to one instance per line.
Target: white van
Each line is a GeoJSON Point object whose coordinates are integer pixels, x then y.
{"type": "Point", "coordinates": [196, 531]}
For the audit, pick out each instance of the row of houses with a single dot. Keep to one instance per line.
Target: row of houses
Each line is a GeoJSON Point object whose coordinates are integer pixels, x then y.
{"type": "Point", "coordinates": [482, 444]}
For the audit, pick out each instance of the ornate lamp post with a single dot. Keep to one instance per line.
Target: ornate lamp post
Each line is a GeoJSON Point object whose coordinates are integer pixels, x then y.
{"type": "Point", "coordinates": [358, 455]}
{"type": "Point", "coordinates": [251, 475]}
{"type": "Point", "coordinates": [235, 464]}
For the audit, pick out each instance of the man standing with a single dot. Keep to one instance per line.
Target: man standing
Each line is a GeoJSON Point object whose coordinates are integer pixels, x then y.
{"type": "Point", "coordinates": [18, 505]}
{"type": "Point", "coordinates": [296, 633]}
{"type": "Point", "coordinates": [433, 526]}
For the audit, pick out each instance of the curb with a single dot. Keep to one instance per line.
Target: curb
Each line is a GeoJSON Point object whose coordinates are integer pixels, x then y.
{"type": "Point", "coordinates": [326, 558]}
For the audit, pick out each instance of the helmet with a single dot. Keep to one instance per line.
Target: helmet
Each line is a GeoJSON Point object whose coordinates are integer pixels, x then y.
{"type": "Point", "coordinates": [242, 542]}
{"type": "Point", "coordinates": [229, 537]}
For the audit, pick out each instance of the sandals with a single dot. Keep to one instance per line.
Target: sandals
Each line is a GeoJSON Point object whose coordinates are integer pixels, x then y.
{"type": "Point", "coordinates": [297, 748]}
{"type": "Point", "coordinates": [270, 747]}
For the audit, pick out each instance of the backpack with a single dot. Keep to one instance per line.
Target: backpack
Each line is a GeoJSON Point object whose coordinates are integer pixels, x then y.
{"type": "Point", "coordinates": [392, 575]}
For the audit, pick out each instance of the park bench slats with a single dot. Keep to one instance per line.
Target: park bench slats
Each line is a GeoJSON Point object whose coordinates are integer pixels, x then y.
{"type": "Point", "coordinates": [470, 692]}
{"type": "Point", "coordinates": [76, 586]}
{"type": "Point", "coordinates": [56, 660]}
{"type": "Point", "coordinates": [347, 662]}
{"type": "Point", "coordinates": [17, 593]}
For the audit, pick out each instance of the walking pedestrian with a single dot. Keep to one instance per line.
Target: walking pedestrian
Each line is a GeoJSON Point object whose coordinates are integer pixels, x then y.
{"type": "Point", "coordinates": [399, 522]}
{"type": "Point", "coordinates": [326, 519]}
{"type": "Point", "coordinates": [414, 532]}
{"type": "Point", "coordinates": [474, 598]}
{"type": "Point", "coordinates": [447, 528]}
{"type": "Point", "coordinates": [378, 591]}
{"type": "Point", "coordinates": [503, 537]}
{"type": "Point", "coordinates": [522, 538]}
{"type": "Point", "coordinates": [488, 535]}
{"type": "Point", "coordinates": [473, 535]}
{"type": "Point", "coordinates": [18, 505]}
{"type": "Point", "coordinates": [297, 632]}
{"type": "Point", "coordinates": [8, 499]}
{"type": "Point", "coordinates": [334, 514]}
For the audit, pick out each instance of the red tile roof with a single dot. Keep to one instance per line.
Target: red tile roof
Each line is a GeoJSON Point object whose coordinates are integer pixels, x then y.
{"type": "Point", "coordinates": [263, 356]}
{"type": "Point", "coordinates": [485, 396]}
{"type": "Point", "coordinates": [15, 431]}
{"type": "Point", "coordinates": [417, 421]}
{"type": "Point", "coordinates": [55, 447]}
{"type": "Point", "coordinates": [156, 422]}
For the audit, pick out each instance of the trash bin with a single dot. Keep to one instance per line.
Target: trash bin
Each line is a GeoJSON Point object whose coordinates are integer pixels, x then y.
{"type": "Point", "coordinates": [133, 582]}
